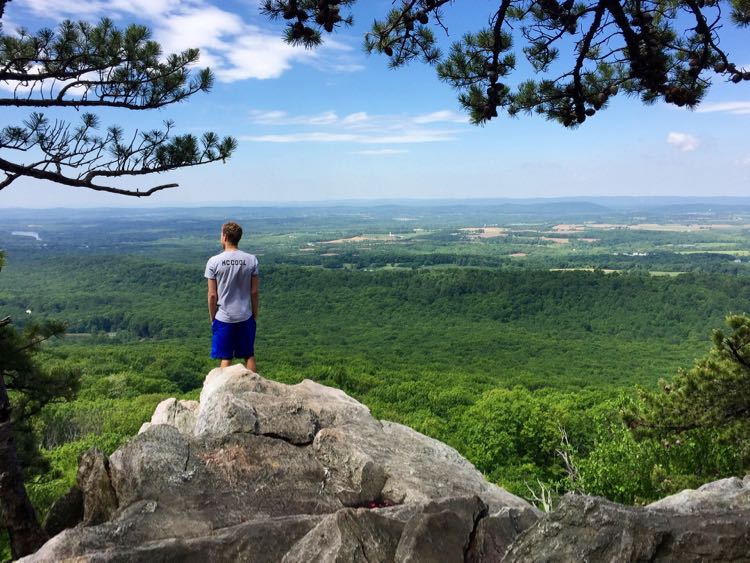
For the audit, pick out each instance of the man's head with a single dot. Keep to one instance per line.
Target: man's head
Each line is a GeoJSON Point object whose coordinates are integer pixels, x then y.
{"type": "Point", "coordinates": [231, 233]}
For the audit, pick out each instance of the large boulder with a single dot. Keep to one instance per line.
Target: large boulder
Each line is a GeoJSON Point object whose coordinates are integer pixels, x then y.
{"type": "Point", "coordinates": [93, 479]}
{"type": "Point", "coordinates": [180, 414]}
{"type": "Point", "coordinates": [442, 531]}
{"type": "Point", "coordinates": [349, 536]}
{"type": "Point", "coordinates": [258, 471]}
{"type": "Point", "coordinates": [725, 495]}
{"type": "Point", "coordinates": [495, 533]}
{"type": "Point", "coordinates": [593, 529]}
{"type": "Point", "coordinates": [261, 471]}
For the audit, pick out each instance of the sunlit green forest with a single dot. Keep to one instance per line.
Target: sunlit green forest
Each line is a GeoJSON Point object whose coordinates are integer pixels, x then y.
{"type": "Point", "coordinates": [473, 324]}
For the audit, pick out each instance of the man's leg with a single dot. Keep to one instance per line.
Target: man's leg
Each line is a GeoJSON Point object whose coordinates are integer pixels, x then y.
{"type": "Point", "coordinates": [221, 343]}
{"type": "Point", "coordinates": [245, 344]}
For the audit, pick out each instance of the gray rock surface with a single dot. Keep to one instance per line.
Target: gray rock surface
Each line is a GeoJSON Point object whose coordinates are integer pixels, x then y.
{"type": "Point", "coordinates": [592, 529]}
{"type": "Point", "coordinates": [495, 534]}
{"type": "Point", "coordinates": [93, 479]}
{"type": "Point", "coordinates": [348, 536]}
{"type": "Point", "coordinates": [353, 476]}
{"type": "Point", "coordinates": [442, 531]}
{"type": "Point", "coordinates": [261, 471]}
{"type": "Point", "coordinates": [725, 495]}
{"type": "Point", "coordinates": [180, 414]}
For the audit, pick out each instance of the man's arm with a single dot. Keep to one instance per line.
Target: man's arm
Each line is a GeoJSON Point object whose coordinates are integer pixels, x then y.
{"type": "Point", "coordinates": [255, 295]}
{"type": "Point", "coordinates": [213, 299]}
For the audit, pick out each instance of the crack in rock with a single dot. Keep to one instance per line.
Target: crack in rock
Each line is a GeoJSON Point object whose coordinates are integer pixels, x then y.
{"type": "Point", "coordinates": [470, 545]}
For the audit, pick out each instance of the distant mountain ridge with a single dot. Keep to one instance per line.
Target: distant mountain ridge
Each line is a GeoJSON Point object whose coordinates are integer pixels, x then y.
{"type": "Point", "coordinates": [617, 203]}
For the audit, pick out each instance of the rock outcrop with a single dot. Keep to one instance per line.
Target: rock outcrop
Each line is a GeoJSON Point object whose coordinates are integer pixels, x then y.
{"type": "Point", "coordinates": [592, 529]}
{"type": "Point", "coordinates": [258, 471]}
{"type": "Point", "coordinates": [261, 471]}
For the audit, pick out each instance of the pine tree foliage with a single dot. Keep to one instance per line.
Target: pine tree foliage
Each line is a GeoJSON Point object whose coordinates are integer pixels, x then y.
{"type": "Point", "coordinates": [714, 395]}
{"type": "Point", "coordinates": [81, 65]}
{"type": "Point", "coordinates": [31, 386]}
{"type": "Point", "coordinates": [26, 388]}
{"type": "Point", "coordinates": [582, 52]}
{"type": "Point", "coordinates": [306, 19]}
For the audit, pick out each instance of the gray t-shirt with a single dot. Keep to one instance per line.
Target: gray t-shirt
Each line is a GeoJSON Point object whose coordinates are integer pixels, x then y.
{"type": "Point", "coordinates": [232, 271]}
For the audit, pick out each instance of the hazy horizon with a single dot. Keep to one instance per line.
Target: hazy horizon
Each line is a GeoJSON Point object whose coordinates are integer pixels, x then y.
{"type": "Point", "coordinates": [406, 201]}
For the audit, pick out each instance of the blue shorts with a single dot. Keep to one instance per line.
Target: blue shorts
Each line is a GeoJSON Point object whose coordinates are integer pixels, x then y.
{"type": "Point", "coordinates": [233, 340]}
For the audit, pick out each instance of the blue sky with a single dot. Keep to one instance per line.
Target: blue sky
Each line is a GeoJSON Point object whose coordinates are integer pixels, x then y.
{"type": "Point", "coordinates": [335, 123]}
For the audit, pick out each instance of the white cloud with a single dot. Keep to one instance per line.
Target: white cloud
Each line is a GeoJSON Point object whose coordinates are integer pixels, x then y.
{"type": "Point", "coordinates": [357, 127]}
{"type": "Point", "coordinates": [258, 55]}
{"type": "Point", "coordinates": [313, 137]}
{"type": "Point", "coordinates": [683, 141]}
{"type": "Point", "coordinates": [736, 108]}
{"type": "Point", "coordinates": [233, 48]}
{"type": "Point", "coordinates": [379, 152]}
{"type": "Point", "coordinates": [442, 116]}
{"type": "Point", "coordinates": [339, 66]}
{"type": "Point", "coordinates": [268, 117]}
{"type": "Point", "coordinates": [416, 136]}
{"type": "Point", "coordinates": [356, 118]}
{"type": "Point", "coordinates": [96, 8]}
{"type": "Point", "coordinates": [7, 24]}
{"type": "Point", "coordinates": [406, 137]}
{"type": "Point", "coordinates": [276, 117]}
{"type": "Point", "coordinates": [744, 161]}
{"type": "Point", "coordinates": [325, 118]}
{"type": "Point", "coordinates": [203, 27]}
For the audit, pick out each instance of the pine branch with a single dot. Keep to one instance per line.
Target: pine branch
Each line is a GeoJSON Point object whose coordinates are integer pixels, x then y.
{"type": "Point", "coordinates": [77, 156]}
{"type": "Point", "coordinates": [16, 171]}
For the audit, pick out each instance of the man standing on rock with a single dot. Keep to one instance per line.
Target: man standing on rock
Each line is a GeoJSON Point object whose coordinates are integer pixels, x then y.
{"type": "Point", "coordinates": [233, 292]}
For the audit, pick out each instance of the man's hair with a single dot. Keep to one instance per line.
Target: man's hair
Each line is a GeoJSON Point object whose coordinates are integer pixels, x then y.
{"type": "Point", "coordinates": [232, 232]}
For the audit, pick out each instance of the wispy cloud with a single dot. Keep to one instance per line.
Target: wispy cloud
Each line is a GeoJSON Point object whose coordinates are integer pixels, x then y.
{"type": "Point", "coordinates": [380, 152]}
{"type": "Point", "coordinates": [415, 136]}
{"type": "Point", "coordinates": [95, 8]}
{"type": "Point", "coordinates": [275, 117]}
{"type": "Point", "coordinates": [234, 48]}
{"type": "Point", "coordinates": [683, 141]}
{"type": "Point", "coordinates": [406, 137]}
{"type": "Point", "coordinates": [312, 137]}
{"type": "Point", "coordinates": [357, 127]}
{"type": "Point", "coordinates": [736, 108]}
{"type": "Point", "coordinates": [356, 118]}
{"type": "Point", "coordinates": [443, 116]}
